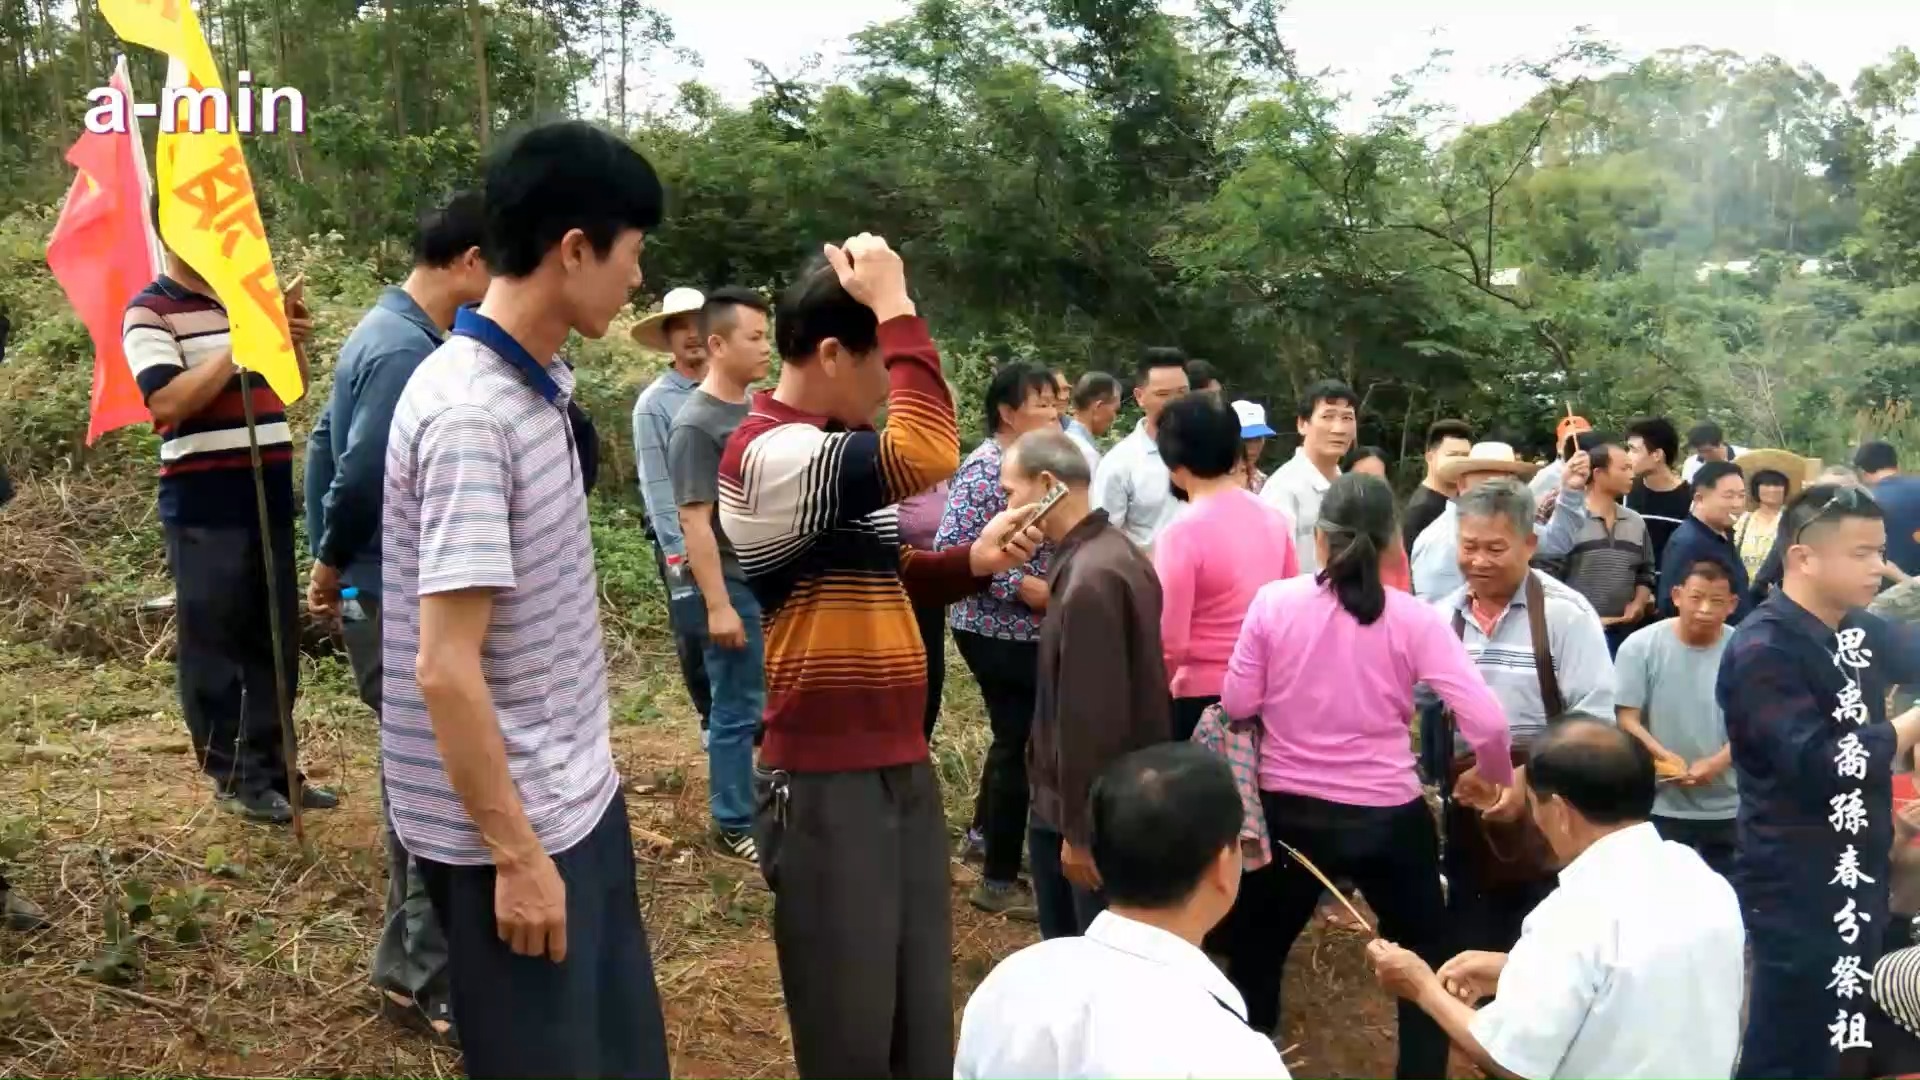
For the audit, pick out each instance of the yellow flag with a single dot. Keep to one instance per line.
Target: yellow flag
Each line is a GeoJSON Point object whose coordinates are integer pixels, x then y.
{"type": "Point", "coordinates": [207, 210]}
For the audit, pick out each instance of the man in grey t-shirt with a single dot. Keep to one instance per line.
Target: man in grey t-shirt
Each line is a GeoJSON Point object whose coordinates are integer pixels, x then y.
{"type": "Point", "coordinates": [733, 324]}
{"type": "Point", "coordinates": [1664, 695]}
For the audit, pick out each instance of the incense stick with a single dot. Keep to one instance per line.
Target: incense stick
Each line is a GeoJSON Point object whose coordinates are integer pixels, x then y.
{"type": "Point", "coordinates": [1328, 882]}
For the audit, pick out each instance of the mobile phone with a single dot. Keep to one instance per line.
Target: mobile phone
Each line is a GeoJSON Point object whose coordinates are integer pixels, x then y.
{"type": "Point", "coordinates": [293, 287]}
{"type": "Point", "coordinates": [1039, 514]}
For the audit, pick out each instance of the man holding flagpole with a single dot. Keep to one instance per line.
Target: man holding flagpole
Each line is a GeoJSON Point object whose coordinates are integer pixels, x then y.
{"type": "Point", "coordinates": [178, 343]}
{"type": "Point", "coordinates": [200, 341]}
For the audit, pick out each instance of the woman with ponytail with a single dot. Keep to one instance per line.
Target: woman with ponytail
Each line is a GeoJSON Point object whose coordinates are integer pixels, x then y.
{"type": "Point", "coordinates": [1328, 664]}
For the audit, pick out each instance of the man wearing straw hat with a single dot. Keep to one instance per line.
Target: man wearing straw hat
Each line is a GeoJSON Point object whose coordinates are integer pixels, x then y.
{"type": "Point", "coordinates": [1435, 557]}
{"type": "Point", "coordinates": [674, 330]}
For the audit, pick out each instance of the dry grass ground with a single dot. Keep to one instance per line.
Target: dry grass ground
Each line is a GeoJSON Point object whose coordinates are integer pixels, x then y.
{"type": "Point", "coordinates": [187, 942]}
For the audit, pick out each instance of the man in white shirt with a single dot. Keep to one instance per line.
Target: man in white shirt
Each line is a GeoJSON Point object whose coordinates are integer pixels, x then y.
{"type": "Point", "coordinates": [1326, 422]}
{"type": "Point", "coordinates": [1633, 967]}
{"type": "Point", "coordinates": [1708, 443]}
{"type": "Point", "coordinates": [1096, 403]}
{"type": "Point", "coordinates": [1132, 484]}
{"type": "Point", "coordinates": [1134, 996]}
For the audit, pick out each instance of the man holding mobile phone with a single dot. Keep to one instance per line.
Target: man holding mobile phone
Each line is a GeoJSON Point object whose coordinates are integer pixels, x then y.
{"type": "Point", "coordinates": [1104, 617]}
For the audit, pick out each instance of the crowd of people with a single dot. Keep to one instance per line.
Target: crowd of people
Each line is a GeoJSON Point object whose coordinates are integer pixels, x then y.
{"type": "Point", "coordinates": [1602, 741]}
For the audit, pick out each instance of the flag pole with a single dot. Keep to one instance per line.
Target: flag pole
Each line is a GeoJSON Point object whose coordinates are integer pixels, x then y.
{"type": "Point", "coordinates": [154, 250]}
{"type": "Point", "coordinates": [177, 75]}
{"type": "Point", "coordinates": [289, 750]}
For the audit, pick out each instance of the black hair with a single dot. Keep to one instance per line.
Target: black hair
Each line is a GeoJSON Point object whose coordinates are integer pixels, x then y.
{"type": "Point", "coordinates": [1361, 453]}
{"type": "Point", "coordinates": [1326, 390]}
{"type": "Point", "coordinates": [1811, 508]}
{"type": "Point", "coordinates": [719, 312]}
{"type": "Point", "coordinates": [1160, 817]}
{"type": "Point", "coordinates": [1710, 567]}
{"type": "Point", "coordinates": [444, 233]}
{"type": "Point", "coordinates": [1704, 435]}
{"type": "Point", "coordinates": [816, 308]}
{"type": "Point", "coordinates": [1093, 388]}
{"type": "Point", "coordinates": [1769, 478]}
{"type": "Point", "coordinates": [1359, 519]}
{"type": "Point", "coordinates": [552, 179]}
{"type": "Point", "coordinates": [1657, 433]}
{"type": "Point", "coordinates": [1709, 475]}
{"type": "Point", "coordinates": [1441, 430]}
{"type": "Point", "coordinates": [1159, 356]}
{"type": "Point", "coordinates": [1200, 433]}
{"type": "Point", "coordinates": [1010, 386]}
{"type": "Point", "coordinates": [1600, 447]}
{"type": "Point", "coordinates": [1200, 373]}
{"type": "Point", "coordinates": [1875, 456]}
{"type": "Point", "coordinates": [1603, 772]}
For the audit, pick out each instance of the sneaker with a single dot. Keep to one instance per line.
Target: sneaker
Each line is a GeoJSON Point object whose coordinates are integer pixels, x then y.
{"type": "Point", "coordinates": [974, 848]}
{"type": "Point", "coordinates": [735, 844]}
{"type": "Point", "coordinates": [317, 798]}
{"type": "Point", "coordinates": [1004, 898]}
{"type": "Point", "coordinates": [20, 914]}
{"type": "Point", "coordinates": [270, 807]}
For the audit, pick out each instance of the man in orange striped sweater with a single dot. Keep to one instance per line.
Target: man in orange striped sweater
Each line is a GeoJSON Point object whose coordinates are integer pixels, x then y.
{"type": "Point", "coordinates": [850, 827]}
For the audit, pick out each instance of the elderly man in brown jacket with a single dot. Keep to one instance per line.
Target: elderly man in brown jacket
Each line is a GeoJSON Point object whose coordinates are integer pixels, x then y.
{"type": "Point", "coordinates": [1103, 684]}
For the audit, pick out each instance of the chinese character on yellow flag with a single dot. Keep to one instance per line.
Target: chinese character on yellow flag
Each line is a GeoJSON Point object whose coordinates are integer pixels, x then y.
{"type": "Point", "coordinates": [207, 210]}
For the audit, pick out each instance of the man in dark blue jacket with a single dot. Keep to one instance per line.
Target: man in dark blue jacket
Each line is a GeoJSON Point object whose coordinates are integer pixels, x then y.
{"type": "Point", "coordinates": [346, 474]}
{"type": "Point", "coordinates": [1719, 496]}
{"type": "Point", "coordinates": [1803, 684]}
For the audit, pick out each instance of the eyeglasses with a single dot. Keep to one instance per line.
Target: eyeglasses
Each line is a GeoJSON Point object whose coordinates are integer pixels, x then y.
{"type": "Point", "coordinates": [1848, 500]}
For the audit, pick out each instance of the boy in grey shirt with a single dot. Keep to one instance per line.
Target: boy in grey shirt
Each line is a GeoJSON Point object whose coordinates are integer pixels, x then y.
{"type": "Point", "coordinates": [733, 326]}
{"type": "Point", "coordinates": [1664, 695]}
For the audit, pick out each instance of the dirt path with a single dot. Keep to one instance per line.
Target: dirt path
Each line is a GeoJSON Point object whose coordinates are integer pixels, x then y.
{"type": "Point", "coordinates": [189, 943]}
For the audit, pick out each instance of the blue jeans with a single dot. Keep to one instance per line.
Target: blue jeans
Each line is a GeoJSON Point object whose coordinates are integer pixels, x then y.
{"type": "Point", "coordinates": [739, 684]}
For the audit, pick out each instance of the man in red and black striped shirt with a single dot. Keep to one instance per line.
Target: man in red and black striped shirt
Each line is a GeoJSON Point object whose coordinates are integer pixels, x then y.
{"type": "Point", "coordinates": [176, 338]}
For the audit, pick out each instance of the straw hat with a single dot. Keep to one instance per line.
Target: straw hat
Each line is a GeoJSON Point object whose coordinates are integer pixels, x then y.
{"type": "Point", "coordinates": [1486, 457]}
{"type": "Point", "coordinates": [651, 331]}
{"type": "Point", "coordinates": [1798, 470]}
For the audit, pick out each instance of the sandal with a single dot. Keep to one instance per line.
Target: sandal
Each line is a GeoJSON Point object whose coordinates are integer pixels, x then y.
{"type": "Point", "coordinates": [420, 1014]}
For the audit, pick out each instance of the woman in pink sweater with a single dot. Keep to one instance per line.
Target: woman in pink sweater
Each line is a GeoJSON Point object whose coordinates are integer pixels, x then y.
{"type": "Point", "coordinates": [1328, 664]}
{"type": "Point", "coordinates": [1214, 556]}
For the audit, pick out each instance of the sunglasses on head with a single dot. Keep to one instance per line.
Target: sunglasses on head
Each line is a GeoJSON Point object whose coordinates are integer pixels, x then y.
{"type": "Point", "coordinates": [1847, 500]}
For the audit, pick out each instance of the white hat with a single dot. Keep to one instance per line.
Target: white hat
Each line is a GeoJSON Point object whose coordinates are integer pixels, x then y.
{"type": "Point", "coordinates": [652, 330]}
{"type": "Point", "coordinates": [1486, 457]}
{"type": "Point", "coordinates": [1253, 420]}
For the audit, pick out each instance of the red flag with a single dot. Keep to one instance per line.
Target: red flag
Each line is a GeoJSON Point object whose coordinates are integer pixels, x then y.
{"type": "Point", "coordinates": [99, 253]}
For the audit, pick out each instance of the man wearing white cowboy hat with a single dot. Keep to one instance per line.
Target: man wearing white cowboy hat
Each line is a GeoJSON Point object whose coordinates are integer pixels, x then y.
{"type": "Point", "coordinates": [1435, 558]}
{"type": "Point", "coordinates": [672, 329]}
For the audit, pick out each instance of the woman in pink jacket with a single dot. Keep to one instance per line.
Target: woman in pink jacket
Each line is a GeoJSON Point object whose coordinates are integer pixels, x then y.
{"type": "Point", "coordinates": [1328, 664]}
{"type": "Point", "coordinates": [1214, 556]}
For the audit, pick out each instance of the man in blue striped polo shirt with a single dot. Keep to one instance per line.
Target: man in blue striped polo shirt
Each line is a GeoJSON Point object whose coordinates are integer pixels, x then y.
{"type": "Point", "coordinates": [494, 740]}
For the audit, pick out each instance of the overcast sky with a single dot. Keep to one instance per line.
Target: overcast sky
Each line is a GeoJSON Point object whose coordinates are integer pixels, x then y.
{"type": "Point", "coordinates": [1364, 42]}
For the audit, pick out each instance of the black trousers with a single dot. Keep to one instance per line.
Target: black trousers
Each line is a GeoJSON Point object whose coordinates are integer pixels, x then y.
{"type": "Point", "coordinates": [411, 956]}
{"type": "Point", "coordinates": [688, 648]}
{"type": "Point", "coordinates": [224, 664]}
{"type": "Point", "coordinates": [1488, 919]}
{"type": "Point", "coordinates": [1393, 854]}
{"type": "Point", "coordinates": [1712, 840]}
{"type": "Point", "coordinates": [857, 862]}
{"type": "Point", "coordinates": [1186, 715]}
{"type": "Point", "coordinates": [597, 1013]}
{"type": "Point", "coordinates": [933, 637]}
{"type": "Point", "coordinates": [1008, 673]}
{"type": "Point", "coordinates": [1066, 909]}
